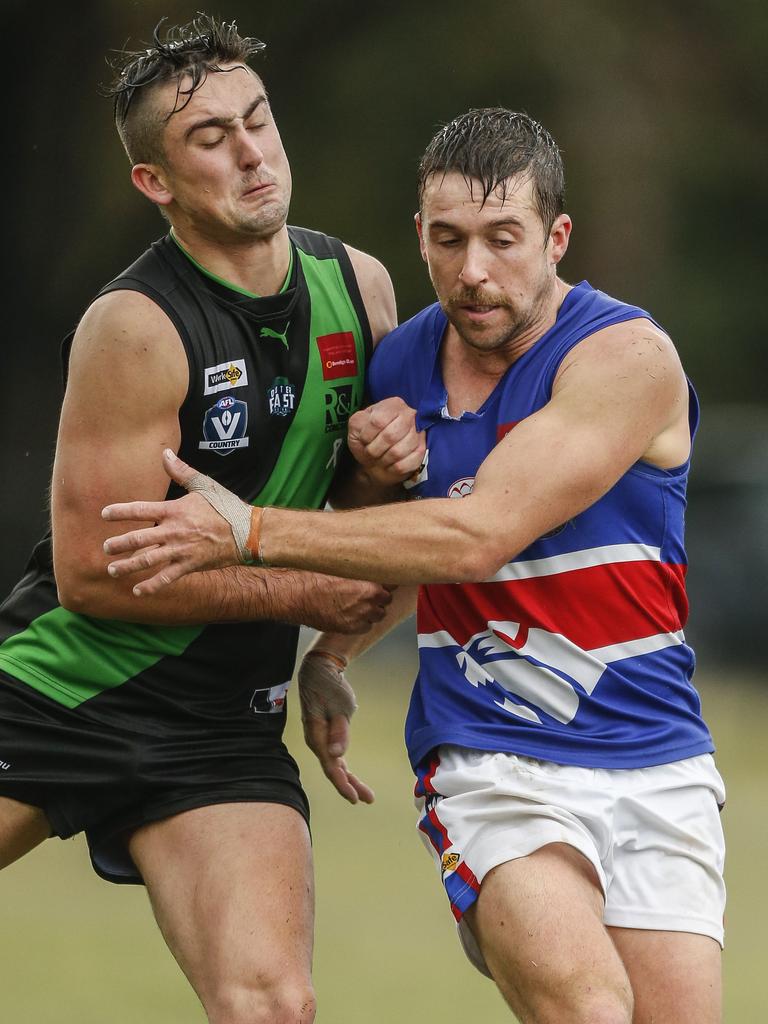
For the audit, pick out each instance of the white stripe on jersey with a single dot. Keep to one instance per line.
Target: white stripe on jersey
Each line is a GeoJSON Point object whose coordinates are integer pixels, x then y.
{"type": "Point", "coordinates": [571, 560]}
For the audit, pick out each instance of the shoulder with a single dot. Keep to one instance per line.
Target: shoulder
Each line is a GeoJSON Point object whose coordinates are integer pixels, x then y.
{"type": "Point", "coordinates": [629, 364]}
{"type": "Point", "coordinates": [423, 331]}
{"type": "Point", "coordinates": [125, 336]}
{"type": "Point", "coordinates": [376, 290]}
{"type": "Point", "coordinates": [405, 357]}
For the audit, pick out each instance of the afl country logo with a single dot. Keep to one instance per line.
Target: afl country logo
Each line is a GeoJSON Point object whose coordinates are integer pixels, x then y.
{"type": "Point", "coordinates": [224, 426]}
{"type": "Point", "coordinates": [462, 487]}
{"type": "Point", "coordinates": [269, 701]}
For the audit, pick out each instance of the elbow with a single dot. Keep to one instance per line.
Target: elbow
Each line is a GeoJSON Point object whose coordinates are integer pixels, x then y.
{"type": "Point", "coordinates": [477, 561]}
{"type": "Point", "coordinates": [79, 592]}
{"type": "Point", "coordinates": [74, 598]}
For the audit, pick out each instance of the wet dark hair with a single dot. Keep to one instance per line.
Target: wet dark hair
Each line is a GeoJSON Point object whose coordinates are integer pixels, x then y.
{"type": "Point", "coordinates": [188, 51]}
{"type": "Point", "coordinates": [492, 145]}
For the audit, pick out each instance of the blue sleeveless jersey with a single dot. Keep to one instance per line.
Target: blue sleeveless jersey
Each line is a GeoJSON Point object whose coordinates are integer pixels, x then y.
{"type": "Point", "coordinates": [574, 651]}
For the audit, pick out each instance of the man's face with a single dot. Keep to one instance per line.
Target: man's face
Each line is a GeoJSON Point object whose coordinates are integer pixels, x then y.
{"type": "Point", "coordinates": [491, 265]}
{"type": "Point", "coordinates": [225, 167]}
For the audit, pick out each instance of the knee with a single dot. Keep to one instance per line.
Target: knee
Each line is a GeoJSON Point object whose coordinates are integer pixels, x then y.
{"type": "Point", "coordinates": [596, 1005]}
{"type": "Point", "coordinates": [588, 1001]}
{"type": "Point", "coordinates": [276, 1002]}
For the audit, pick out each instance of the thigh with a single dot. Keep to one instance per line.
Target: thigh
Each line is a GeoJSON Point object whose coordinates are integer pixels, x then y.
{"type": "Point", "coordinates": [676, 976]}
{"type": "Point", "coordinates": [22, 828]}
{"type": "Point", "coordinates": [231, 887]}
{"type": "Point", "coordinates": [538, 923]}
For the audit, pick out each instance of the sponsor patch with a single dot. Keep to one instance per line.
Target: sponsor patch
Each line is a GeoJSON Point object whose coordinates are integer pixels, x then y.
{"type": "Point", "coordinates": [339, 406]}
{"type": "Point", "coordinates": [225, 376]}
{"type": "Point", "coordinates": [449, 862]}
{"type": "Point", "coordinates": [281, 397]}
{"type": "Point", "coordinates": [338, 355]}
{"type": "Point", "coordinates": [462, 487]}
{"type": "Point", "coordinates": [271, 700]}
{"type": "Point", "coordinates": [224, 426]}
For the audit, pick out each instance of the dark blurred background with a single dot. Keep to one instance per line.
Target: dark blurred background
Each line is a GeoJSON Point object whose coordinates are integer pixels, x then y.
{"type": "Point", "coordinates": [659, 109]}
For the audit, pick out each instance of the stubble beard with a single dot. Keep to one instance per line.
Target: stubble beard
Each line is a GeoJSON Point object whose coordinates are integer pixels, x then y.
{"type": "Point", "coordinates": [266, 221]}
{"type": "Point", "coordinates": [519, 323]}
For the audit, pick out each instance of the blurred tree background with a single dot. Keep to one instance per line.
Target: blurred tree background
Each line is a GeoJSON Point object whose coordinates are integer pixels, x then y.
{"type": "Point", "coordinates": [659, 108]}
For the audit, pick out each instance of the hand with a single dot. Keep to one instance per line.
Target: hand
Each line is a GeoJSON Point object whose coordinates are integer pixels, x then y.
{"type": "Point", "coordinates": [189, 535]}
{"type": "Point", "coordinates": [384, 441]}
{"type": "Point", "coordinates": [327, 704]}
{"type": "Point", "coordinates": [335, 605]}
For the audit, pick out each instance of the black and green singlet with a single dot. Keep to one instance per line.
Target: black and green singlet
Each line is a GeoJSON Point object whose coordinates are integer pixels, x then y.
{"type": "Point", "coordinates": [272, 383]}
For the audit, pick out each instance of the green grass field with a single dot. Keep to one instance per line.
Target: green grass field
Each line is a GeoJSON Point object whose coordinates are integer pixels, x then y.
{"type": "Point", "coordinates": [76, 949]}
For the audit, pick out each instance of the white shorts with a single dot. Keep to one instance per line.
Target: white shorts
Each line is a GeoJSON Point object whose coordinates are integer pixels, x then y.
{"type": "Point", "coordinates": [653, 835]}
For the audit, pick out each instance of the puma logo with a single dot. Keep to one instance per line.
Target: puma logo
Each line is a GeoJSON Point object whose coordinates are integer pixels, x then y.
{"type": "Point", "coordinates": [267, 332]}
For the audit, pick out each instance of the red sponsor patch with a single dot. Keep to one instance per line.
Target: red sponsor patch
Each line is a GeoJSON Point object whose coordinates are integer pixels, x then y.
{"type": "Point", "coordinates": [504, 428]}
{"type": "Point", "coordinates": [338, 355]}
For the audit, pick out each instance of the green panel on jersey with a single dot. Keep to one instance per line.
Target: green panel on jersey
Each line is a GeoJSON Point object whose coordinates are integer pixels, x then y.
{"type": "Point", "coordinates": [304, 470]}
{"type": "Point", "coordinates": [71, 657]}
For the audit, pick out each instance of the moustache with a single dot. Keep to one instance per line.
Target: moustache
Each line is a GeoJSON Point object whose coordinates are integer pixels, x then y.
{"type": "Point", "coordinates": [476, 297]}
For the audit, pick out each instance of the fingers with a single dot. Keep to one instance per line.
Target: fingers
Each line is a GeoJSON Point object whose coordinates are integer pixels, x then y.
{"type": "Point", "coordinates": [177, 469]}
{"type": "Point", "coordinates": [385, 434]}
{"type": "Point", "coordinates": [145, 511]}
{"type": "Point", "coordinates": [322, 737]}
{"type": "Point", "coordinates": [338, 735]}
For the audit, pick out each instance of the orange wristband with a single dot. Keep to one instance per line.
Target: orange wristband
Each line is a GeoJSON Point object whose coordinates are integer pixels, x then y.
{"type": "Point", "coordinates": [253, 544]}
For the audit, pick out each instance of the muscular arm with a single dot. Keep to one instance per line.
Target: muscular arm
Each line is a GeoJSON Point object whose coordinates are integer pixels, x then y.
{"type": "Point", "coordinates": [127, 379]}
{"type": "Point", "coordinates": [620, 396]}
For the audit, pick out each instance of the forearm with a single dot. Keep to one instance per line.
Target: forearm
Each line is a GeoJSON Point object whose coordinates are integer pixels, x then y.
{"type": "Point", "coordinates": [433, 541]}
{"type": "Point", "coordinates": [350, 647]}
{"type": "Point", "coordinates": [232, 594]}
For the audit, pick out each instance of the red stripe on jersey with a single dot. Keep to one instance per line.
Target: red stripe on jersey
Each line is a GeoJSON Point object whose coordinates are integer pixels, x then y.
{"type": "Point", "coordinates": [592, 607]}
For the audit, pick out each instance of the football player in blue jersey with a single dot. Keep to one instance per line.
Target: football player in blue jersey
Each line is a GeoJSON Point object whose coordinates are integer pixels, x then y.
{"type": "Point", "coordinates": [565, 779]}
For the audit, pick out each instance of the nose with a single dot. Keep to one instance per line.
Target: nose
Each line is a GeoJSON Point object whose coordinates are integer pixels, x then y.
{"type": "Point", "coordinates": [248, 152]}
{"type": "Point", "coordinates": [473, 270]}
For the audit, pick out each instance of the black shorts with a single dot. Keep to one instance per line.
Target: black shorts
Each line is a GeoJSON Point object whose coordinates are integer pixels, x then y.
{"type": "Point", "coordinates": [103, 779]}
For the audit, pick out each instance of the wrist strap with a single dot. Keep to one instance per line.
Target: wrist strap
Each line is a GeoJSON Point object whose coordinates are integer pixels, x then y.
{"type": "Point", "coordinates": [253, 543]}
{"type": "Point", "coordinates": [336, 659]}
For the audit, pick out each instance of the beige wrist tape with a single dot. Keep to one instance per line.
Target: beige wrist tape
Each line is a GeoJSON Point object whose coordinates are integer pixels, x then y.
{"type": "Point", "coordinates": [236, 512]}
{"type": "Point", "coordinates": [323, 688]}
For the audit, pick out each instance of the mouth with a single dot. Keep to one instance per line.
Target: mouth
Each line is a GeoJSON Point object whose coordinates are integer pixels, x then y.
{"type": "Point", "coordinates": [478, 314]}
{"type": "Point", "coordinates": [258, 189]}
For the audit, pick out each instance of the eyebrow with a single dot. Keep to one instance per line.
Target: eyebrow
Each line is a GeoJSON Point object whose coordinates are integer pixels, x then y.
{"type": "Point", "coordinates": [223, 122]}
{"type": "Point", "coordinates": [499, 222]}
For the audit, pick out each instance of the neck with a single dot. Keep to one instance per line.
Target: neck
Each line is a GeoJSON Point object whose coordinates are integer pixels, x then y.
{"type": "Point", "coordinates": [257, 265]}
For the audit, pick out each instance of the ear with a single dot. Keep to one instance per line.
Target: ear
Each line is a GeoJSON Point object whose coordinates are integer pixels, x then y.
{"type": "Point", "coordinates": [149, 179]}
{"type": "Point", "coordinates": [559, 236]}
{"type": "Point", "coordinates": [420, 233]}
